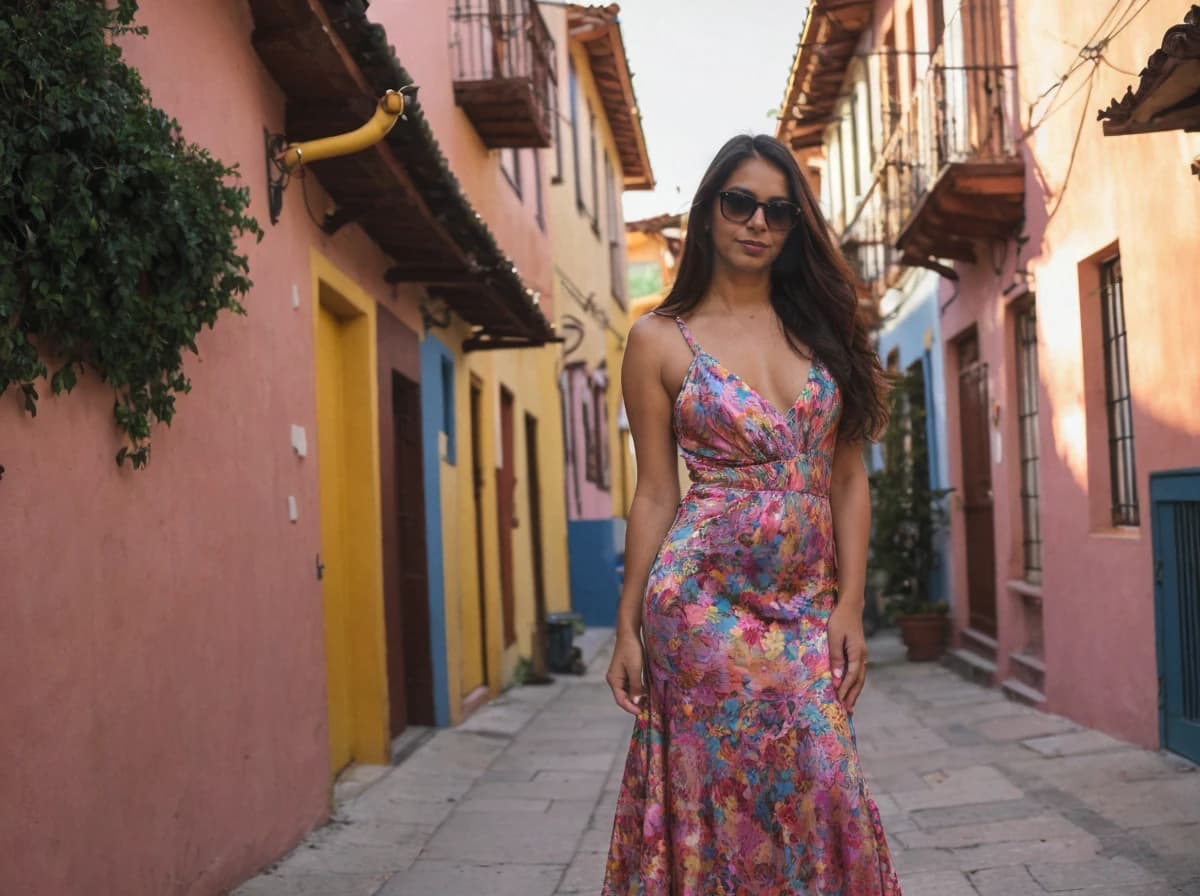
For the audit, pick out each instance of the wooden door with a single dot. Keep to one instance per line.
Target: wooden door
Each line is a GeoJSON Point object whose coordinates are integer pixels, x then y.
{"type": "Point", "coordinates": [533, 476]}
{"type": "Point", "coordinates": [475, 641]}
{"type": "Point", "coordinates": [506, 513]}
{"type": "Point", "coordinates": [1175, 500]}
{"type": "Point", "coordinates": [331, 457]}
{"type": "Point", "coordinates": [977, 486]}
{"type": "Point", "coordinates": [410, 655]}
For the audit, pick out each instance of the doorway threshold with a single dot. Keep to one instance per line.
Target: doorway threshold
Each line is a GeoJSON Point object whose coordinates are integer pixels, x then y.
{"type": "Point", "coordinates": [409, 741]}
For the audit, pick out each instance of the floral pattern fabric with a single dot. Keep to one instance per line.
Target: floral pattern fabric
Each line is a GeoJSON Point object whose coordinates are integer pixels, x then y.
{"type": "Point", "coordinates": [742, 777]}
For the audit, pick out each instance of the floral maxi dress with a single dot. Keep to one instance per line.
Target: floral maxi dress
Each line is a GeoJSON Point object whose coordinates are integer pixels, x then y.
{"type": "Point", "coordinates": [742, 777]}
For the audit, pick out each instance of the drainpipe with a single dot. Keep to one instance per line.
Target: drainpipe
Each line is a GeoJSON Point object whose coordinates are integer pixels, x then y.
{"type": "Point", "coordinates": [387, 111]}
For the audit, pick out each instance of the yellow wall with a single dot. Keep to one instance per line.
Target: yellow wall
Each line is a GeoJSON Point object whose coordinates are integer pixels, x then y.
{"type": "Point", "coordinates": [580, 256]}
{"type": "Point", "coordinates": [530, 375]}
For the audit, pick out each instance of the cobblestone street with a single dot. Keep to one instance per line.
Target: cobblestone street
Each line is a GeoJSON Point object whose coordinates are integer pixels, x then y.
{"type": "Point", "coordinates": [980, 797]}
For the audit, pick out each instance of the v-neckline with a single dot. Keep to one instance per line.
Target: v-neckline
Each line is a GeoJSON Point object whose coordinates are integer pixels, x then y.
{"type": "Point", "coordinates": [697, 352]}
{"type": "Point", "coordinates": [804, 391]}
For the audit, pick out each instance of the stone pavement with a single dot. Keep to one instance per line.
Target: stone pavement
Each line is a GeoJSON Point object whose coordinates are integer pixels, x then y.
{"type": "Point", "coordinates": [980, 797]}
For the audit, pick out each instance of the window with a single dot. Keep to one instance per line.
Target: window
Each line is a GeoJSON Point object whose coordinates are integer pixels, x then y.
{"type": "Point", "coordinates": [616, 247]}
{"type": "Point", "coordinates": [846, 163]}
{"type": "Point", "coordinates": [855, 152]}
{"type": "Point", "coordinates": [911, 39]}
{"type": "Point", "coordinates": [1117, 396]}
{"type": "Point", "coordinates": [937, 24]}
{"type": "Point", "coordinates": [592, 162]}
{"type": "Point", "coordinates": [556, 114]}
{"type": "Point", "coordinates": [1027, 424]}
{"type": "Point", "coordinates": [510, 164]}
{"type": "Point", "coordinates": [573, 96]}
{"type": "Point", "coordinates": [891, 84]}
{"type": "Point", "coordinates": [598, 453]}
{"type": "Point", "coordinates": [448, 408]}
{"type": "Point", "coordinates": [539, 199]}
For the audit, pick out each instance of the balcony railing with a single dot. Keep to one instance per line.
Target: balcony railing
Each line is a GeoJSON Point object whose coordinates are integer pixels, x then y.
{"type": "Point", "coordinates": [504, 70]}
{"type": "Point", "coordinates": [867, 243]}
{"type": "Point", "coordinates": [950, 172]}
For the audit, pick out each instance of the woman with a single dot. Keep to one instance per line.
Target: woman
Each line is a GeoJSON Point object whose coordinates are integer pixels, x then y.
{"type": "Point", "coordinates": [740, 647]}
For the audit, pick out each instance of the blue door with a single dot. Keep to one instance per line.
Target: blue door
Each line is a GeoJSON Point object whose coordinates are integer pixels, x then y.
{"type": "Point", "coordinates": [1175, 497]}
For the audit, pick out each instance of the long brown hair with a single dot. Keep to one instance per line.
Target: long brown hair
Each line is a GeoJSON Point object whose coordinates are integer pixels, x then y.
{"type": "Point", "coordinates": [812, 287]}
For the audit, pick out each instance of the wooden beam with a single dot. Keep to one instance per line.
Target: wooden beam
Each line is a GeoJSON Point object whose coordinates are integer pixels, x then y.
{"type": "Point", "coordinates": [986, 185]}
{"type": "Point", "coordinates": [431, 276]}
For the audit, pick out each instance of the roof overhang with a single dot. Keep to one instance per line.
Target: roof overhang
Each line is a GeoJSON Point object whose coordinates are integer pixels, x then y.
{"type": "Point", "coordinates": [1167, 97]}
{"type": "Point", "coordinates": [656, 224]}
{"type": "Point", "coordinates": [332, 64]}
{"type": "Point", "coordinates": [828, 41]}
{"type": "Point", "coordinates": [598, 31]}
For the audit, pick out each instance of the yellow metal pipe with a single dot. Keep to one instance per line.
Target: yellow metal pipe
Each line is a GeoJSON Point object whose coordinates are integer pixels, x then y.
{"type": "Point", "coordinates": [390, 107]}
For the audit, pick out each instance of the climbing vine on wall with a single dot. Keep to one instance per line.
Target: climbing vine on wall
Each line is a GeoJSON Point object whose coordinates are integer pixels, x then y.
{"type": "Point", "coordinates": [118, 238]}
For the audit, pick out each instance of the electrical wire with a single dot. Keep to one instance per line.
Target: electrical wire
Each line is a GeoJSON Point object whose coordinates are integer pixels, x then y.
{"type": "Point", "coordinates": [1062, 189]}
{"type": "Point", "coordinates": [1117, 68]}
{"type": "Point", "coordinates": [303, 175]}
{"type": "Point", "coordinates": [1091, 51]}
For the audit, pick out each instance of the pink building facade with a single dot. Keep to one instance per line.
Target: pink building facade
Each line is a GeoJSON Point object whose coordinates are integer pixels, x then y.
{"type": "Point", "coordinates": [168, 670]}
{"type": "Point", "coordinates": [964, 156]}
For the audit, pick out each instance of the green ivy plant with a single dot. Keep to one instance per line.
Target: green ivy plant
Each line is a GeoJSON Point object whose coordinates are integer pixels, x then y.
{"type": "Point", "coordinates": [906, 513]}
{"type": "Point", "coordinates": [118, 239]}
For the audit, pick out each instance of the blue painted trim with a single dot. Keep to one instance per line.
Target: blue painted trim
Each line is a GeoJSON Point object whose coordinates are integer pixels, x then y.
{"type": "Point", "coordinates": [436, 407]}
{"type": "Point", "coordinates": [594, 562]}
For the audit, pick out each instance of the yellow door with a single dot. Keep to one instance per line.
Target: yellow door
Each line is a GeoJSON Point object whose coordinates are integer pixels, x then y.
{"type": "Point", "coordinates": [331, 455]}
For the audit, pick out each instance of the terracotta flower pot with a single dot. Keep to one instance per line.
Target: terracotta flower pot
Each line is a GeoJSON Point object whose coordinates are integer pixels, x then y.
{"type": "Point", "coordinates": [924, 635]}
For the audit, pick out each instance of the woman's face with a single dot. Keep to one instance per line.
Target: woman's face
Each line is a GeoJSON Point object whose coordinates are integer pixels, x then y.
{"type": "Point", "coordinates": [750, 246]}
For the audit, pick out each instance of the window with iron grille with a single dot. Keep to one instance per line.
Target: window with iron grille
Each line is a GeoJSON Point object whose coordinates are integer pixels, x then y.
{"type": "Point", "coordinates": [573, 97]}
{"type": "Point", "coordinates": [1027, 424]}
{"type": "Point", "coordinates": [510, 164]}
{"type": "Point", "coordinates": [1117, 395]}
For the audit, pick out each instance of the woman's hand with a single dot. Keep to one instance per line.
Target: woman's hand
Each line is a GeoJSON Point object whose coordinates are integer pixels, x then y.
{"type": "Point", "coordinates": [625, 673]}
{"type": "Point", "coordinates": [848, 652]}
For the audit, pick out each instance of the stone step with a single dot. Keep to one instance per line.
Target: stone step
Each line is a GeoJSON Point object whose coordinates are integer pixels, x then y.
{"type": "Point", "coordinates": [971, 666]}
{"type": "Point", "coordinates": [1028, 669]}
{"type": "Point", "coordinates": [976, 641]}
{"type": "Point", "coordinates": [1023, 693]}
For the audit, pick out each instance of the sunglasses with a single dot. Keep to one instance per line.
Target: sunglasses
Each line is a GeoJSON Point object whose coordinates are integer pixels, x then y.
{"type": "Point", "coordinates": [779, 214]}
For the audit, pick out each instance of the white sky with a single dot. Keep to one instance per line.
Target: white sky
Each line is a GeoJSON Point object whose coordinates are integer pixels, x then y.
{"type": "Point", "coordinates": [703, 70]}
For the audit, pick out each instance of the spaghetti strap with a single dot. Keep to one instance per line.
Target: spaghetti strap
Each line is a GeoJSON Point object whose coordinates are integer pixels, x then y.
{"type": "Point", "coordinates": [687, 335]}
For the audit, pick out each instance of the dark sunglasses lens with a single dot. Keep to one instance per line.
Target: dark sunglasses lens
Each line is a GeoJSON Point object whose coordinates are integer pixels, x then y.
{"type": "Point", "coordinates": [781, 215]}
{"type": "Point", "coordinates": [737, 206]}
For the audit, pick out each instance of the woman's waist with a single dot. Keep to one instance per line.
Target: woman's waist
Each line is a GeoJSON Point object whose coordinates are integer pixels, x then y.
{"type": "Point", "coordinates": [806, 473]}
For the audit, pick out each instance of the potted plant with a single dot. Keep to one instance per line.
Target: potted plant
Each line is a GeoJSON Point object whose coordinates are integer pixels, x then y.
{"type": "Point", "coordinates": [906, 516]}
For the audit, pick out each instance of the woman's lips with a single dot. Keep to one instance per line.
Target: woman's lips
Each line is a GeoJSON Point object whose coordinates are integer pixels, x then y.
{"type": "Point", "coordinates": [752, 247]}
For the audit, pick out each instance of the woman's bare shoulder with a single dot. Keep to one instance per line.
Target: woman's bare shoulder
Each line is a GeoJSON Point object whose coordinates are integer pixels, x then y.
{"type": "Point", "coordinates": [655, 325]}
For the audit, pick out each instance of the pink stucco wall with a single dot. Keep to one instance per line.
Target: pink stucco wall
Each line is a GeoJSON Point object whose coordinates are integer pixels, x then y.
{"type": "Point", "coordinates": [422, 34]}
{"type": "Point", "coordinates": [1135, 193]}
{"type": "Point", "coordinates": [584, 402]}
{"type": "Point", "coordinates": [162, 689]}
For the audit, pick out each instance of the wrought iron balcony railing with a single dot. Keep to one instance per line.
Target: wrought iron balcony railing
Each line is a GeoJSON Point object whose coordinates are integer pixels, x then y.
{"type": "Point", "coordinates": [950, 172]}
{"type": "Point", "coordinates": [504, 70]}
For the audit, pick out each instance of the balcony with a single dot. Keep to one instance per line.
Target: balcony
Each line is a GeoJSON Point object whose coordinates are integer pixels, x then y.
{"type": "Point", "coordinates": [504, 71]}
{"type": "Point", "coordinates": [951, 171]}
{"type": "Point", "coordinates": [866, 244]}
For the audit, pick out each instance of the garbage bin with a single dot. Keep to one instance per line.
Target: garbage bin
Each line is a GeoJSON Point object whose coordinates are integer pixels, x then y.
{"type": "Point", "coordinates": [561, 652]}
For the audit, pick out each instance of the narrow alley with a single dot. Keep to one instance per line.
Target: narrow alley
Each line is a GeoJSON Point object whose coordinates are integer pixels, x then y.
{"type": "Point", "coordinates": [981, 796]}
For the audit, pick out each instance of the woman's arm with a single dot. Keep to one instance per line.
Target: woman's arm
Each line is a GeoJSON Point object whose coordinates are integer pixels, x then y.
{"type": "Point", "coordinates": [648, 405]}
{"type": "Point", "coordinates": [850, 503]}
